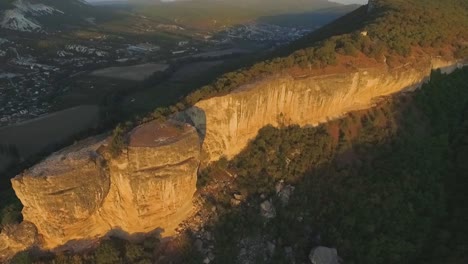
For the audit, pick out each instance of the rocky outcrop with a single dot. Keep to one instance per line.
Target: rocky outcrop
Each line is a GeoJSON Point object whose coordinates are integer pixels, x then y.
{"type": "Point", "coordinates": [229, 122]}
{"type": "Point", "coordinates": [324, 255]}
{"type": "Point", "coordinates": [16, 238]}
{"type": "Point", "coordinates": [82, 193]}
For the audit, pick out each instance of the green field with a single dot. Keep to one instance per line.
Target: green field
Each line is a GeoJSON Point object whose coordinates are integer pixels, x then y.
{"type": "Point", "coordinates": [133, 73]}
{"type": "Point", "coordinates": [186, 78]}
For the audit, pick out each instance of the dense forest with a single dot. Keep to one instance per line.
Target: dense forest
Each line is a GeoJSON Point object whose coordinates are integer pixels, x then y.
{"type": "Point", "coordinates": [384, 185]}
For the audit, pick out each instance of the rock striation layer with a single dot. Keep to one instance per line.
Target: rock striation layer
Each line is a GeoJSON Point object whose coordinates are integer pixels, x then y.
{"type": "Point", "coordinates": [229, 122]}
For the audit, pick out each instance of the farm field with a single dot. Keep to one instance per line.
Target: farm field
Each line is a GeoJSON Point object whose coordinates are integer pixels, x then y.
{"type": "Point", "coordinates": [133, 73]}
{"type": "Point", "coordinates": [219, 53]}
{"type": "Point", "coordinates": [35, 136]}
{"type": "Point", "coordinates": [179, 83]}
{"type": "Point", "coordinates": [193, 69]}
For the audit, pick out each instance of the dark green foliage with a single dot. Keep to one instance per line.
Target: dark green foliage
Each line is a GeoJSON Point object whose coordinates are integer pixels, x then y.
{"type": "Point", "coordinates": [112, 250]}
{"type": "Point", "coordinates": [135, 253]}
{"type": "Point", "coordinates": [10, 208]}
{"type": "Point", "coordinates": [405, 24]}
{"type": "Point", "coordinates": [287, 152]}
{"type": "Point", "coordinates": [119, 139]}
{"type": "Point", "coordinates": [11, 214]}
{"type": "Point", "coordinates": [108, 253]}
{"type": "Point", "coordinates": [22, 258]}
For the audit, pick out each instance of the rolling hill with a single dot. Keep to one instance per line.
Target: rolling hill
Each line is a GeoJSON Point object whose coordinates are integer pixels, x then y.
{"type": "Point", "coordinates": [216, 14]}
{"type": "Point", "coordinates": [45, 15]}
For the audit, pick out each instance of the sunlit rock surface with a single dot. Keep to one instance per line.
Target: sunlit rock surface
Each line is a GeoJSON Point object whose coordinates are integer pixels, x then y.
{"type": "Point", "coordinates": [229, 122]}
{"type": "Point", "coordinates": [16, 238]}
{"type": "Point", "coordinates": [82, 193]}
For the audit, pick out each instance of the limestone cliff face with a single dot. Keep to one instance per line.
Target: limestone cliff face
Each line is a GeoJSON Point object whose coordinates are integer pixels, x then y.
{"type": "Point", "coordinates": [64, 190]}
{"type": "Point", "coordinates": [158, 174]}
{"type": "Point", "coordinates": [81, 193]}
{"type": "Point", "coordinates": [229, 122]}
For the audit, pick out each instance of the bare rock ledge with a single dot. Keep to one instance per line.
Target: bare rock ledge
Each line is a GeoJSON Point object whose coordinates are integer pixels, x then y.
{"type": "Point", "coordinates": [82, 193]}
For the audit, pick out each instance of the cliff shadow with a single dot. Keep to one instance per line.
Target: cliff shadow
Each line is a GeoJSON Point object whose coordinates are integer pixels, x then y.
{"type": "Point", "coordinates": [115, 233]}
{"type": "Point", "coordinates": [196, 117]}
{"type": "Point", "coordinates": [360, 174]}
{"type": "Point", "coordinates": [116, 240]}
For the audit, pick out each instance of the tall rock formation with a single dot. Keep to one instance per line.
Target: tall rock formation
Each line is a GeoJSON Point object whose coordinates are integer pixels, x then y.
{"type": "Point", "coordinates": [82, 193]}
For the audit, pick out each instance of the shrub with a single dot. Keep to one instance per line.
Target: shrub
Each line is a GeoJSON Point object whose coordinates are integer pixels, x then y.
{"type": "Point", "coordinates": [134, 252]}
{"type": "Point", "coordinates": [119, 139]}
{"type": "Point", "coordinates": [107, 253]}
{"type": "Point", "coordinates": [22, 258]}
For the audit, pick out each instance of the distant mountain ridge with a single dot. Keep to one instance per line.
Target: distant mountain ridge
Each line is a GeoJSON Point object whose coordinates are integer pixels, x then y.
{"type": "Point", "coordinates": [283, 5]}
{"type": "Point", "coordinates": [217, 14]}
{"type": "Point", "coordinates": [27, 15]}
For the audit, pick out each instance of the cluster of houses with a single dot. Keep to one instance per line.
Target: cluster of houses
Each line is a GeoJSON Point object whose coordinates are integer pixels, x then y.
{"type": "Point", "coordinates": [259, 32]}
{"type": "Point", "coordinates": [28, 78]}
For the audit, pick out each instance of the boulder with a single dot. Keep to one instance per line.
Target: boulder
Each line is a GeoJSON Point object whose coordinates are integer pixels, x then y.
{"type": "Point", "coordinates": [267, 209]}
{"type": "Point", "coordinates": [324, 255]}
{"type": "Point", "coordinates": [284, 192]}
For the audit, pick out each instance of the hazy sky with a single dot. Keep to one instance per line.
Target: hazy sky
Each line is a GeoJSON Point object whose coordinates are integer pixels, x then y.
{"type": "Point", "coordinates": [362, 2]}
{"type": "Point", "coordinates": [339, 1]}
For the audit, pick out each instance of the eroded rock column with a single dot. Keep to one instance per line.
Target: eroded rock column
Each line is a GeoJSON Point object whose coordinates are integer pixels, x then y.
{"type": "Point", "coordinates": [83, 193]}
